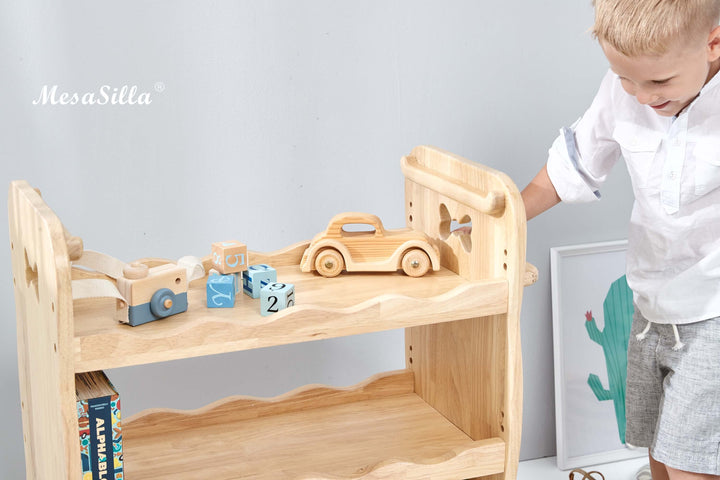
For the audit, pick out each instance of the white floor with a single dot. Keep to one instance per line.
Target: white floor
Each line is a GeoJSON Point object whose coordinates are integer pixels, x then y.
{"type": "Point", "coordinates": [546, 468]}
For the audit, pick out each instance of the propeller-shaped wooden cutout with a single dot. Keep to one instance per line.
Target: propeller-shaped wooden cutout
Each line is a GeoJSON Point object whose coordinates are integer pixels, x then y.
{"type": "Point", "coordinates": [451, 226]}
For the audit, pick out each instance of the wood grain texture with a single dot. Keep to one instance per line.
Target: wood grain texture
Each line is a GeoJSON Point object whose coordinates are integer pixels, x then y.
{"type": "Point", "coordinates": [325, 308]}
{"type": "Point", "coordinates": [490, 202]}
{"type": "Point", "coordinates": [471, 370]}
{"type": "Point", "coordinates": [531, 274]}
{"type": "Point", "coordinates": [43, 305]}
{"type": "Point", "coordinates": [240, 407]}
{"type": "Point", "coordinates": [137, 291]}
{"type": "Point", "coordinates": [375, 250]}
{"type": "Point", "coordinates": [374, 431]}
{"type": "Point", "coordinates": [480, 458]}
{"type": "Point", "coordinates": [455, 413]}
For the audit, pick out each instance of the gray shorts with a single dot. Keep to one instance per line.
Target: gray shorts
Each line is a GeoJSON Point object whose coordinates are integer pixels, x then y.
{"type": "Point", "coordinates": [673, 396]}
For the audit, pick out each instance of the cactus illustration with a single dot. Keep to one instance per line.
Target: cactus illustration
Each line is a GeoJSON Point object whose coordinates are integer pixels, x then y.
{"type": "Point", "coordinates": [618, 309]}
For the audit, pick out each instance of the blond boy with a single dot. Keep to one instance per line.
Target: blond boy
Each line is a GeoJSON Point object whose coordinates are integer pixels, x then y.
{"type": "Point", "coordinates": [659, 108]}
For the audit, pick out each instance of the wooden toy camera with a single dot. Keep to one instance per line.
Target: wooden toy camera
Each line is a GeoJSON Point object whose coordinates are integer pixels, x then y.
{"type": "Point", "coordinates": [152, 293]}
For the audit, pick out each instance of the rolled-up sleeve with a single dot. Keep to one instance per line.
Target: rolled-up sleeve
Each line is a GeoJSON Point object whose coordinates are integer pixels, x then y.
{"type": "Point", "coordinates": [582, 156]}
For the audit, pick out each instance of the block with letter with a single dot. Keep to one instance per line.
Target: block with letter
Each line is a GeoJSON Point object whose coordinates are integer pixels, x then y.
{"type": "Point", "coordinates": [229, 257]}
{"type": "Point", "coordinates": [256, 277]}
{"type": "Point", "coordinates": [98, 409]}
{"type": "Point", "coordinates": [221, 291]}
{"type": "Point", "coordinates": [275, 297]}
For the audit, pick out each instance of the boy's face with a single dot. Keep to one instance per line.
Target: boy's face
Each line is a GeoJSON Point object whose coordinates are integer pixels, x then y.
{"type": "Point", "coordinates": [669, 82]}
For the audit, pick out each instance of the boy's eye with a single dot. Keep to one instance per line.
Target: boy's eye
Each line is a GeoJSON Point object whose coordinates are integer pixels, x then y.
{"type": "Point", "coordinates": [664, 81]}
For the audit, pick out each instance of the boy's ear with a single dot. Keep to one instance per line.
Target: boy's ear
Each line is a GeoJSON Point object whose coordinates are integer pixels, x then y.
{"type": "Point", "coordinates": [714, 44]}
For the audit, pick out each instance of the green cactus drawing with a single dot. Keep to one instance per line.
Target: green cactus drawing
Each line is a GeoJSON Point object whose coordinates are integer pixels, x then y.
{"type": "Point", "coordinates": [618, 308]}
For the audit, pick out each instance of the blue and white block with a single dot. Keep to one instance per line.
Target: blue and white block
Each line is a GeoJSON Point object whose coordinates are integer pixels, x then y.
{"type": "Point", "coordinates": [256, 277]}
{"type": "Point", "coordinates": [221, 291]}
{"type": "Point", "coordinates": [275, 297]}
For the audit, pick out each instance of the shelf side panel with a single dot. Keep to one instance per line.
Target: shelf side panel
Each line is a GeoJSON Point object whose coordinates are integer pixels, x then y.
{"type": "Point", "coordinates": [460, 370]}
{"type": "Point", "coordinates": [43, 304]}
{"type": "Point", "coordinates": [471, 370]}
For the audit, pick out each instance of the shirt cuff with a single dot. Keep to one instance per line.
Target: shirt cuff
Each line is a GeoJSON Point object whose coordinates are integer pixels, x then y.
{"type": "Point", "coordinates": [564, 166]}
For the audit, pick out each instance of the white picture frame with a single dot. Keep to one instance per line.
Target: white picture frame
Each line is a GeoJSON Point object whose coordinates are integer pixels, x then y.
{"type": "Point", "coordinates": [587, 431]}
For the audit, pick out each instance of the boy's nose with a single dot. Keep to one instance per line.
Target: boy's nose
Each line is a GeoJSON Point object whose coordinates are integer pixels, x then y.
{"type": "Point", "coordinates": [646, 98]}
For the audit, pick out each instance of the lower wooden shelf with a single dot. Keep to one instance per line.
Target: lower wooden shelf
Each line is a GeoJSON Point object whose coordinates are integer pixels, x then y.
{"type": "Point", "coordinates": [379, 429]}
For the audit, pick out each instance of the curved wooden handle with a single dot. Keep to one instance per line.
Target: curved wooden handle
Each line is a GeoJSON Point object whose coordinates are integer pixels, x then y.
{"type": "Point", "coordinates": [492, 202]}
{"type": "Point", "coordinates": [531, 274]}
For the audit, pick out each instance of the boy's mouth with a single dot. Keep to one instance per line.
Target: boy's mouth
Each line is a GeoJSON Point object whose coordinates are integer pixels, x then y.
{"type": "Point", "coordinates": [661, 106]}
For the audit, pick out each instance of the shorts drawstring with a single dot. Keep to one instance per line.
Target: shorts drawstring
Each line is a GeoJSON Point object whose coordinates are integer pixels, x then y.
{"type": "Point", "coordinates": [678, 344]}
{"type": "Point", "coordinates": [641, 336]}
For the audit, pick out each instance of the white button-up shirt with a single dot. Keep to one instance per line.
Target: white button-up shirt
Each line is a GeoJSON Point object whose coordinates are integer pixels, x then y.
{"type": "Point", "coordinates": [673, 258]}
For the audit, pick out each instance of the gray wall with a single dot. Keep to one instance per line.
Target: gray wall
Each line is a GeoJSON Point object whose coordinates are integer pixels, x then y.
{"type": "Point", "coordinates": [274, 116]}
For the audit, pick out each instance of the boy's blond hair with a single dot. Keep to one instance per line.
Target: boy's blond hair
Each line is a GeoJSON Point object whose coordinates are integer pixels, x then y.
{"type": "Point", "coordinates": [651, 27]}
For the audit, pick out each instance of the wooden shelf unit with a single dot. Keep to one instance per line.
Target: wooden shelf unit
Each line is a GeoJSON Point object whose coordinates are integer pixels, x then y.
{"type": "Point", "coordinates": [455, 412]}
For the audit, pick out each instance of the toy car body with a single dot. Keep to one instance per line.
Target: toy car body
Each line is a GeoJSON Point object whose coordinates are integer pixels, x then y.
{"type": "Point", "coordinates": [375, 250]}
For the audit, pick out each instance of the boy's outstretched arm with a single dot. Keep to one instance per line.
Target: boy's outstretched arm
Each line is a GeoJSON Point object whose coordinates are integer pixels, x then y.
{"type": "Point", "coordinates": [539, 195]}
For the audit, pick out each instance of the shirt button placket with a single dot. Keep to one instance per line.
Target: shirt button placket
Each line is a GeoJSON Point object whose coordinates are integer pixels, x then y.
{"type": "Point", "coordinates": [672, 169]}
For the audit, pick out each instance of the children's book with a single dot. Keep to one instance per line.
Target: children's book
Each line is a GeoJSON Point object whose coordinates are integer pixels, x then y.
{"type": "Point", "coordinates": [98, 409]}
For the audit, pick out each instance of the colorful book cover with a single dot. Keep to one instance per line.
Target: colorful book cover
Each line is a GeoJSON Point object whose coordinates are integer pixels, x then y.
{"type": "Point", "coordinates": [98, 409]}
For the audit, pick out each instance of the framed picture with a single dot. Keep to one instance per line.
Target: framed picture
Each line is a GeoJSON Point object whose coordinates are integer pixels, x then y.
{"type": "Point", "coordinates": [592, 312]}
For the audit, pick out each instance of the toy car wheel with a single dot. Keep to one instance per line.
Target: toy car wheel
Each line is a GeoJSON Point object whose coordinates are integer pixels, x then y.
{"type": "Point", "coordinates": [329, 263]}
{"type": "Point", "coordinates": [415, 263]}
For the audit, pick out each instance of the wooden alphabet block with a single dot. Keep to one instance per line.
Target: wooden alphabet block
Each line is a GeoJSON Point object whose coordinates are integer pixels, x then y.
{"type": "Point", "coordinates": [221, 291]}
{"type": "Point", "coordinates": [236, 277]}
{"type": "Point", "coordinates": [152, 293]}
{"type": "Point", "coordinates": [256, 277]}
{"type": "Point", "coordinates": [229, 257]}
{"type": "Point", "coordinates": [275, 297]}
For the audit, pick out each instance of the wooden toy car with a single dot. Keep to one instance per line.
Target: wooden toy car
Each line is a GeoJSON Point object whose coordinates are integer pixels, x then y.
{"type": "Point", "coordinates": [339, 248]}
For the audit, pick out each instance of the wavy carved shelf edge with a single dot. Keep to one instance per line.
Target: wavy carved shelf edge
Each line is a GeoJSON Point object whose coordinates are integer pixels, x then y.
{"type": "Point", "coordinates": [467, 457]}
{"type": "Point", "coordinates": [125, 346]}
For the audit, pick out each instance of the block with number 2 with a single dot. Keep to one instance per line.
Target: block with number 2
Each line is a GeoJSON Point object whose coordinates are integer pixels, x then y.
{"type": "Point", "coordinates": [275, 297]}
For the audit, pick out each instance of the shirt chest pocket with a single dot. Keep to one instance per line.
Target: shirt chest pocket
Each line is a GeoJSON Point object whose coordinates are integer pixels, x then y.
{"type": "Point", "coordinates": [707, 167]}
{"type": "Point", "coordinates": [639, 146]}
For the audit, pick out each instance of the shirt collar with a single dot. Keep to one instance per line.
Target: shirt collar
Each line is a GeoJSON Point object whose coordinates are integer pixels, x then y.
{"type": "Point", "coordinates": [714, 82]}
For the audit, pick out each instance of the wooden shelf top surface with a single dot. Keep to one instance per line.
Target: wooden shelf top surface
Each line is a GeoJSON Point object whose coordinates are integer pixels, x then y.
{"type": "Point", "coordinates": [395, 436]}
{"type": "Point", "coordinates": [350, 304]}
